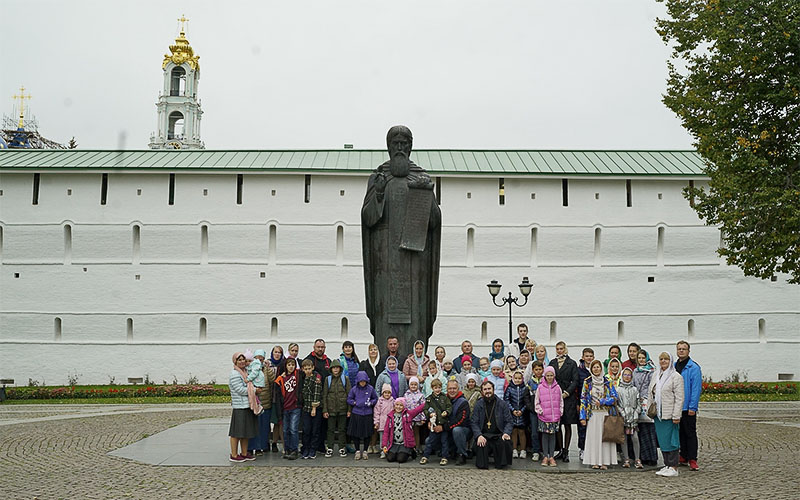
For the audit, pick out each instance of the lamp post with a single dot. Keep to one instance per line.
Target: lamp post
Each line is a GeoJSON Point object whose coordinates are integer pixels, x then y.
{"type": "Point", "coordinates": [524, 289]}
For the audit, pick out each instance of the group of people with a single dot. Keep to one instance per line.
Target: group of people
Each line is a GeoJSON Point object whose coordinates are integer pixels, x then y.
{"type": "Point", "coordinates": [511, 403]}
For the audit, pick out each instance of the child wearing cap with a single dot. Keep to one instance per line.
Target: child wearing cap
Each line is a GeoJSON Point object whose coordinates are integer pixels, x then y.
{"type": "Point", "coordinates": [398, 440]}
{"type": "Point", "coordinates": [260, 443]}
{"type": "Point", "coordinates": [472, 390]}
{"type": "Point", "coordinates": [255, 378]}
{"type": "Point", "coordinates": [383, 408]}
{"type": "Point", "coordinates": [549, 406]}
{"type": "Point", "coordinates": [466, 369]}
{"type": "Point", "coordinates": [413, 399]}
{"type": "Point", "coordinates": [497, 377]}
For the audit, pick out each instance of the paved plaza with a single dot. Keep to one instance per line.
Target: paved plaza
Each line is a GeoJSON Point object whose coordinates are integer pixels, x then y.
{"type": "Point", "coordinates": [78, 451]}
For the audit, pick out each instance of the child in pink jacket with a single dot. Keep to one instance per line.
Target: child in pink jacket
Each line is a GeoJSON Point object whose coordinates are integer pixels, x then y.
{"type": "Point", "coordinates": [383, 408]}
{"type": "Point", "coordinates": [398, 436]}
{"type": "Point", "coordinates": [549, 407]}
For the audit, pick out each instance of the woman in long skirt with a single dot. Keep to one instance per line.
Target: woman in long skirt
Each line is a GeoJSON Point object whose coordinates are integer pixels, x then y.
{"type": "Point", "coordinates": [244, 423]}
{"type": "Point", "coordinates": [598, 397]}
{"type": "Point", "coordinates": [648, 443]}
{"type": "Point", "coordinates": [666, 389]}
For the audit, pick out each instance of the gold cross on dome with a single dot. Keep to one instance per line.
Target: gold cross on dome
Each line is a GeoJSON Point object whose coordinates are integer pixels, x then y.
{"type": "Point", "coordinates": [21, 98]}
{"type": "Point", "coordinates": [183, 20]}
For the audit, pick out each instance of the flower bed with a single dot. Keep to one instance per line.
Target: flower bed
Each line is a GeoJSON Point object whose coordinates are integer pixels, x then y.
{"type": "Point", "coordinates": [78, 392]}
{"type": "Point", "coordinates": [748, 388]}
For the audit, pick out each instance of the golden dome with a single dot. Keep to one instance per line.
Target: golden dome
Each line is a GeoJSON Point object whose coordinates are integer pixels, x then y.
{"type": "Point", "coordinates": [182, 52]}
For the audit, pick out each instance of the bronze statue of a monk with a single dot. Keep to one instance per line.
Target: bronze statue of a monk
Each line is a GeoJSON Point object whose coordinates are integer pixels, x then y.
{"type": "Point", "coordinates": [401, 228]}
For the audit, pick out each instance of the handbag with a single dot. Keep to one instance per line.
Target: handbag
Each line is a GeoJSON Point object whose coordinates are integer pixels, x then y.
{"type": "Point", "coordinates": [652, 408]}
{"type": "Point", "coordinates": [614, 428]}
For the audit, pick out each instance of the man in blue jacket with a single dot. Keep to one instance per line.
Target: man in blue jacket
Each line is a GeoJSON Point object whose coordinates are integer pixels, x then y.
{"type": "Point", "coordinates": [491, 425]}
{"type": "Point", "coordinates": [458, 425]}
{"type": "Point", "coordinates": [692, 386]}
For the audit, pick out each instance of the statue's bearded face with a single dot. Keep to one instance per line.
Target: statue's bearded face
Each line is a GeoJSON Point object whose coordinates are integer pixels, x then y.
{"type": "Point", "coordinates": [399, 153]}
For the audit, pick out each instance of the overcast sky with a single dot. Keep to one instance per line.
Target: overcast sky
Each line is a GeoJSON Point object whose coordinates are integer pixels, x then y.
{"type": "Point", "coordinates": [513, 74]}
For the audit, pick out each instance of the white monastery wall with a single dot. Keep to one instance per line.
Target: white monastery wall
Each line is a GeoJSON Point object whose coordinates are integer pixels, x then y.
{"type": "Point", "coordinates": [127, 288]}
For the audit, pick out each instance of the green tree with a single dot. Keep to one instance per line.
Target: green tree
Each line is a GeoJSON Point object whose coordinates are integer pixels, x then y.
{"type": "Point", "coordinates": [73, 144]}
{"type": "Point", "coordinates": [734, 81]}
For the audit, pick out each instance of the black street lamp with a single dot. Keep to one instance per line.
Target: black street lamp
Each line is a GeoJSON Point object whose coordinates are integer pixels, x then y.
{"type": "Point", "coordinates": [524, 289]}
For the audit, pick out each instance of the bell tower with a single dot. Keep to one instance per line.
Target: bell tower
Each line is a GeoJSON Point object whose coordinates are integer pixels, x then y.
{"type": "Point", "coordinates": [179, 110]}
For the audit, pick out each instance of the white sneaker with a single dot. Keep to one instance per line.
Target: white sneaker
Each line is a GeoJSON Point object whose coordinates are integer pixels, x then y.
{"type": "Point", "coordinates": [580, 456]}
{"type": "Point", "coordinates": [670, 472]}
{"type": "Point", "coordinates": [535, 457]}
{"type": "Point", "coordinates": [523, 454]}
{"type": "Point", "coordinates": [661, 472]}
{"type": "Point", "coordinates": [383, 454]}
{"type": "Point", "coordinates": [515, 454]}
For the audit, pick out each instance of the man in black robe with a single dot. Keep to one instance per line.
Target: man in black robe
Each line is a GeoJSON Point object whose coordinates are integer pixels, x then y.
{"type": "Point", "coordinates": [401, 234]}
{"type": "Point", "coordinates": [492, 425]}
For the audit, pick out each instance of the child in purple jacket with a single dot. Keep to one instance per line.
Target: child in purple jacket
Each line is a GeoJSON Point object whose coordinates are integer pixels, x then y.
{"type": "Point", "coordinates": [361, 399]}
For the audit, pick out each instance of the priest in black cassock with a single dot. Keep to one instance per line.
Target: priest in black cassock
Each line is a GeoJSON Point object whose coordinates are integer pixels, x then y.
{"type": "Point", "coordinates": [491, 423]}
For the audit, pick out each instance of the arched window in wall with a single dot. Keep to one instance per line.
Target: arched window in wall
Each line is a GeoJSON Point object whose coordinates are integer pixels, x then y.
{"type": "Point", "coordinates": [67, 244]}
{"type": "Point", "coordinates": [762, 330]}
{"type": "Point", "coordinates": [484, 331]}
{"type": "Point", "coordinates": [129, 329]}
{"type": "Point", "coordinates": [204, 244]}
{"type": "Point", "coordinates": [534, 246]}
{"type": "Point", "coordinates": [690, 329]}
{"type": "Point", "coordinates": [345, 327]}
{"type": "Point", "coordinates": [273, 244]}
{"type": "Point", "coordinates": [660, 247]}
{"type": "Point", "coordinates": [273, 328]}
{"type": "Point", "coordinates": [203, 329]}
{"type": "Point", "coordinates": [177, 84]}
{"type": "Point", "coordinates": [176, 122]}
{"type": "Point", "coordinates": [137, 243]}
{"type": "Point", "coordinates": [620, 331]}
{"type": "Point", "coordinates": [470, 247]}
{"type": "Point", "coordinates": [597, 235]}
{"type": "Point", "coordinates": [57, 329]}
{"type": "Point", "coordinates": [339, 245]}
{"type": "Point", "coordinates": [553, 331]}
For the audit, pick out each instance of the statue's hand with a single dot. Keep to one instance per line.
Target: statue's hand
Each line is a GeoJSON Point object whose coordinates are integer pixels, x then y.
{"type": "Point", "coordinates": [380, 185]}
{"type": "Point", "coordinates": [423, 181]}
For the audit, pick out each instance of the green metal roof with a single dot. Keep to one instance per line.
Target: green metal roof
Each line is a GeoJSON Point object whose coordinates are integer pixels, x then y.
{"type": "Point", "coordinates": [439, 161]}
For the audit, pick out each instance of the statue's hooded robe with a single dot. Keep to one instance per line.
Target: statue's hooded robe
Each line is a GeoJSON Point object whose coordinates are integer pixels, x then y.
{"type": "Point", "coordinates": [401, 286]}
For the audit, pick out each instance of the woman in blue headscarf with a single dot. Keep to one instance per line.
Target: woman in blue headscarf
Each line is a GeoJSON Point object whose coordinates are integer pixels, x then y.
{"type": "Point", "coordinates": [498, 351]}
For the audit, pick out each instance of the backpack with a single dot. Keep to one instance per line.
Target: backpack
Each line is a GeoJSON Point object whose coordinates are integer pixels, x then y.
{"type": "Point", "coordinates": [344, 384]}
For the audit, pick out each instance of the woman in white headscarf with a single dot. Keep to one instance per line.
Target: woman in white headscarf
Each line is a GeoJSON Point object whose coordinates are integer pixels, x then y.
{"type": "Point", "coordinates": [666, 389]}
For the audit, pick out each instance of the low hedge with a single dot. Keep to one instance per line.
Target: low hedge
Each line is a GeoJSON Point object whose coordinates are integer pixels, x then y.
{"type": "Point", "coordinates": [97, 392]}
{"type": "Point", "coordinates": [748, 388]}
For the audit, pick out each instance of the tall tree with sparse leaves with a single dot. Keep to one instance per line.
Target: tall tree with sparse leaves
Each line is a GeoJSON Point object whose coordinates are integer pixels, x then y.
{"type": "Point", "coordinates": [734, 81]}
